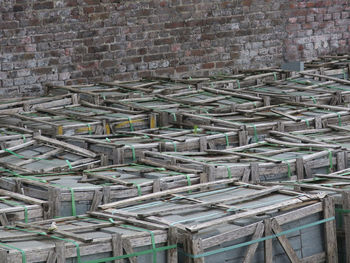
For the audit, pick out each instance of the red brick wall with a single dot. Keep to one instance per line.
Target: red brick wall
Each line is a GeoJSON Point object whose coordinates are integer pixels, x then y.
{"type": "Point", "coordinates": [317, 27]}
{"type": "Point", "coordinates": [78, 41]}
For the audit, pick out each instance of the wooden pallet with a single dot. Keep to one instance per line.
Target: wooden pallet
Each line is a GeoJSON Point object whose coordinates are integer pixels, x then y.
{"type": "Point", "coordinates": [86, 239]}
{"type": "Point", "coordinates": [17, 105]}
{"type": "Point", "coordinates": [286, 117]}
{"type": "Point", "coordinates": [43, 154]}
{"type": "Point", "coordinates": [20, 208]}
{"type": "Point", "coordinates": [329, 62]}
{"type": "Point", "coordinates": [11, 136]}
{"type": "Point", "coordinates": [206, 99]}
{"type": "Point", "coordinates": [305, 87]}
{"type": "Point", "coordinates": [336, 185]}
{"type": "Point", "coordinates": [75, 193]}
{"type": "Point", "coordinates": [96, 93]}
{"type": "Point", "coordinates": [126, 147]}
{"type": "Point", "coordinates": [240, 222]}
{"type": "Point", "coordinates": [267, 160]}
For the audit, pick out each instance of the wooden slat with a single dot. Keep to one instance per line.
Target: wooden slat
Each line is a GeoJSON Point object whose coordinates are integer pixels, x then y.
{"type": "Point", "coordinates": [284, 242]}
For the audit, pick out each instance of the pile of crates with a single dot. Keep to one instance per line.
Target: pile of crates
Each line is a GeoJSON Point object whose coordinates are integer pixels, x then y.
{"type": "Point", "coordinates": [251, 167]}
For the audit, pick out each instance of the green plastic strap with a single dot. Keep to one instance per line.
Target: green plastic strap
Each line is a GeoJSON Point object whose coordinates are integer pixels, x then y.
{"type": "Point", "coordinates": [274, 76]}
{"type": "Point", "coordinates": [17, 204]}
{"type": "Point", "coordinates": [133, 152]}
{"type": "Point", "coordinates": [174, 115]}
{"type": "Point", "coordinates": [139, 192]}
{"type": "Point", "coordinates": [74, 209]}
{"type": "Point", "coordinates": [229, 172]}
{"type": "Point", "coordinates": [339, 119]}
{"type": "Point", "coordinates": [152, 239]}
{"type": "Point", "coordinates": [104, 97]}
{"type": "Point", "coordinates": [217, 251]}
{"type": "Point", "coordinates": [344, 174]}
{"type": "Point", "coordinates": [50, 236]}
{"type": "Point", "coordinates": [188, 182]}
{"type": "Point", "coordinates": [227, 141]}
{"type": "Point", "coordinates": [69, 164]}
{"type": "Point", "coordinates": [24, 258]}
{"type": "Point", "coordinates": [238, 84]}
{"type": "Point", "coordinates": [89, 129]}
{"type": "Point", "coordinates": [342, 211]}
{"type": "Point", "coordinates": [344, 74]}
{"type": "Point", "coordinates": [307, 123]}
{"type": "Point", "coordinates": [16, 154]}
{"type": "Point", "coordinates": [135, 254]}
{"type": "Point", "coordinates": [131, 125]}
{"type": "Point", "coordinates": [108, 140]}
{"type": "Point", "coordinates": [289, 168]}
{"type": "Point", "coordinates": [313, 99]}
{"type": "Point", "coordinates": [25, 157]}
{"type": "Point", "coordinates": [189, 87]}
{"type": "Point", "coordinates": [175, 147]}
{"type": "Point", "coordinates": [70, 241]}
{"type": "Point", "coordinates": [24, 138]}
{"type": "Point", "coordinates": [195, 129]}
{"type": "Point", "coordinates": [22, 176]}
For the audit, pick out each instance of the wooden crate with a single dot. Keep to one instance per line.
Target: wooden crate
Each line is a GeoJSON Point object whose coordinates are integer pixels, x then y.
{"type": "Point", "coordinates": [86, 239]}
{"type": "Point", "coordinates": [244, 78]}
{"type": "Point", "coordinates": [203, 100]}
{"type": "Point", "coordinates": [96, 93]}
{"type": "Point", "coordinates": [44, 154]}
{"type": "Point", "coordinates": [112, 119]}
{"type": "Point", "coordinates": [11, 136]}
{"type": "Point", "coordinates": [326, 63]}
{"type": "Point", "coordinates": [305, 87]}
{"type": "Point", "coordinates": [263, 161]}
{"type": "Point", "coordinates": [126, 147]}
{"type": "Point", "coordinates": [80, 117]}
{"type": "Point", "coordinates": [52, 125]}
{"type": "Point", "coordinates": [72, 193]}
{"type": "Point", "coordinates": [240, 222]}
{"type": "Point", "coordinates": [289, 116]}
{"type": "Point", "coordinates": [18, 105]}
{"type": "Point", "coordinates": [17, 207]}
{"type": "Point", "coordinates": [332, 134]}
{"type": "Point", "coordinates": [336, 185]}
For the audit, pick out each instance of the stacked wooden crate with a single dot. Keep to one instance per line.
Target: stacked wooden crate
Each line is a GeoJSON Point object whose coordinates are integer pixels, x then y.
{"type": "Point", "coordinates": [179, 170]}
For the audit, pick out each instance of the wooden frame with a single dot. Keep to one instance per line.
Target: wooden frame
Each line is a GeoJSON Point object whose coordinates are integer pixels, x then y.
{"type": "Point", "coordinates": [216, 218]}
{"type": "Point", "coordinates": [263, 161]}
{"type": "Point", "coordinates": [126, 147]}
{"type": "Point", "coordinates": [337, 185]}
{"type": "Point", "coordinates": [17, 207]}
{"type": "Point", "coordinates": [95, 238]}
{"type": "Point", "coordinates": [70, 193]}
{"type": "Point", "coordinates": [43, 154]}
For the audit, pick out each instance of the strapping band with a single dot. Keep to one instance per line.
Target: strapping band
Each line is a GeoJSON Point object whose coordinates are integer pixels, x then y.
{"type": "Point", "coordinates": [209, 253]}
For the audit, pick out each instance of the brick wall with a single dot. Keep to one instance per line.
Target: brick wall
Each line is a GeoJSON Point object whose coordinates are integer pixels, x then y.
{"type": "Point", "coordinates": [79, 41]}
{"type": "Point", "coordinates": [317, 28]}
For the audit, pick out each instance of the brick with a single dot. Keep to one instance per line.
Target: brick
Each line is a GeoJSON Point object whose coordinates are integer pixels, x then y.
{"type": "Point", "coordinates": [81, 41]}
{"type": "Point", "coordinates": [43, 5]}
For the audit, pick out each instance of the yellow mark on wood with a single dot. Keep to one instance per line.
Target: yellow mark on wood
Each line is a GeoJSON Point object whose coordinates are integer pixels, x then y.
{"type": "Point", "coordinates": [82, 129]}
{"type": "Point", "coordinates": [108, 129]}
{"type": "Point", "coordinates": [60, 130]}
{"type": "Point", "coordinates": [153, 122]}
{"type": "Point", "coordinates": [124, 123]}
